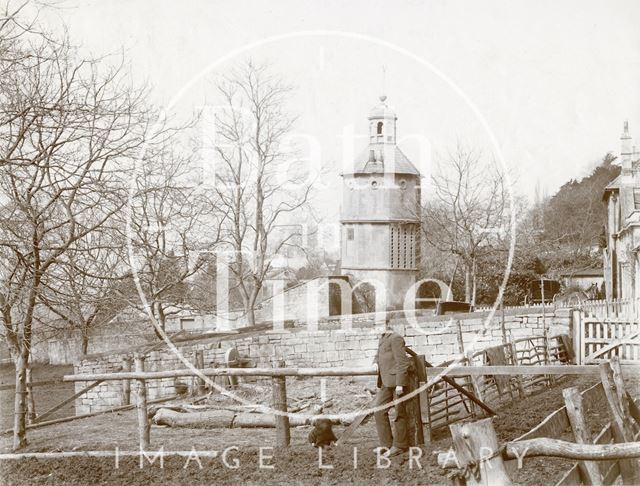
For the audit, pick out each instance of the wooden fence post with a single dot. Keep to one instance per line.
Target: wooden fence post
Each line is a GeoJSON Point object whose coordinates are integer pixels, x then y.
{"type": "Point", "coordinates": [144, 427]}
{"type": "Point", "coordinates": [621, 424]}
{"type": "Point", "coordinates": [578, 338]}
{"type": "Point", "coordinates": [126, 384]}
{"type": "Point", "coordinates": [283, 434]}
{"type": "Point", "coordinates": [514, 361]}
{"type": "Point", "coordinates": [503, 326]}
{"type": "Point", "coordinates": [198, 383]}
{"type": "Point", "coordinates": [575, 412]}
{"type": "Point", "coordinates": [478, 453]}
{"type": "Point", "coordinates": [475, 384]}
{"type": "Point", "coordinates": [413, 408]}
{"type": "Point", "coordinates": [459, 337]}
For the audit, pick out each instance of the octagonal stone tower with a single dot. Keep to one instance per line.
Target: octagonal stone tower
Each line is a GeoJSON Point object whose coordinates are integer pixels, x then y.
{"type": "Point", "coordinates": [380, 239]}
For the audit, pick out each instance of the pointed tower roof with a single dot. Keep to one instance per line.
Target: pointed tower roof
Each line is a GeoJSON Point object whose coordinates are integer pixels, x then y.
{"type": "Point", "coordinates": [400, 163]}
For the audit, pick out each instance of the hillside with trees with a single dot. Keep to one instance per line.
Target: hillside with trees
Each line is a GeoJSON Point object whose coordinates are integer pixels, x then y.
{"type": "Point", "coordinates": [575, 216]}
{"type": "Point", "coordinates": [554, 234]}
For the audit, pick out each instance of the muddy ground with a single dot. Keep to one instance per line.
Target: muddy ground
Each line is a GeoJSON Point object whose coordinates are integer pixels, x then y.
{"type": "Point", "coordinates": [298, 464]}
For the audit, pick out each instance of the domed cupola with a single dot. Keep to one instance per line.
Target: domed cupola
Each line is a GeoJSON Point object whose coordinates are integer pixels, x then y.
{"type": "Point", "coordinates": [382, 123]}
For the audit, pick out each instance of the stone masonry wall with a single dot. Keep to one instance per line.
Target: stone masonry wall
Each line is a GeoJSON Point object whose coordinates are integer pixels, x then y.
{"type": "Point", "coordinates": [435, 337]}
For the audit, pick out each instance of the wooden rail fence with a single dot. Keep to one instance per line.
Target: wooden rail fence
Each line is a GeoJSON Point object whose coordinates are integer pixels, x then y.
{"type": "Point", "coordinates": [612, 454]}
{"type": "Point", "coordinates": [598, 339]}
{"type": "Point", "coordinates": [279, 374]}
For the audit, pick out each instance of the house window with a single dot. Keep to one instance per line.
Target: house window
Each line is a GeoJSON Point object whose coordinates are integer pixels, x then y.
{"type": "Point", "coordinates": [636, 198]}
{"type": "Point", "coordinates": [350, 234]}
{"type": "Point", "coordinates": [379, 129]}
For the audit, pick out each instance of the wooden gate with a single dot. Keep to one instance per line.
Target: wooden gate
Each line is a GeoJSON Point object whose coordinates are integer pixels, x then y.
{"type": "Point", "coordinates": [597, 339]}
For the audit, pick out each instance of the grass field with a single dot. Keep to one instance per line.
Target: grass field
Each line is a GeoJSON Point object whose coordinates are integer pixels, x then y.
{"type": "Point", "coordinates": [45, 396]}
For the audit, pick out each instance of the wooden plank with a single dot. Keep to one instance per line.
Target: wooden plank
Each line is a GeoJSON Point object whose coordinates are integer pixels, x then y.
{"type": "Point", "coordinates": [57, 407]}
{"type": "Point", "coordinates": [454, 371]}
{"type": "Point", "coordinates": [629, 338]}
{"type": "Point", "coordinates": [610, 470]}
{"type": "Point", "coordinates": [575, 412]}
{"type": "Point", "coordinates": [621, 425]}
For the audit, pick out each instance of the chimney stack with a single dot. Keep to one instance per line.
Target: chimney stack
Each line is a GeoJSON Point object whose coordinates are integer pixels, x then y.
{"type": "Point", "coordinates": [625, 149]}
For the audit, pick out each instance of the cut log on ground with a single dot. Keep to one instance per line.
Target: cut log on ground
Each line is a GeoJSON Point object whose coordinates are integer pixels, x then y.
{"type": "Point", "coordinates": [250, 420]}
{"type": "Point", "coordinates": [211, 419]}
{"type": "Point", "coordinates": [219, 419]}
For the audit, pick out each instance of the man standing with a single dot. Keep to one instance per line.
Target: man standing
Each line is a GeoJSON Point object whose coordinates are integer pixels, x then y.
{"type": "Point", "coordinates": [393, 378]}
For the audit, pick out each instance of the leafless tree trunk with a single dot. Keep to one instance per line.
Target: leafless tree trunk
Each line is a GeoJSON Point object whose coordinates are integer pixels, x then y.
{"type": "Point", "coordinates": [257, 190]}
{"type": "Point", "coordinates": [465, 216]}
{"type": "Point", "coordinates": [67, 126]}
{"type": "Point", "coordinates": [83, 290]}
{"type": "Point", "coordinates": [174, 224]}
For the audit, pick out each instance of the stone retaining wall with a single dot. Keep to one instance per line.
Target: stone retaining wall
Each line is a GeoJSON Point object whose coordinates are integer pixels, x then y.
{"type": "Point", "coordinates": [435, 337]}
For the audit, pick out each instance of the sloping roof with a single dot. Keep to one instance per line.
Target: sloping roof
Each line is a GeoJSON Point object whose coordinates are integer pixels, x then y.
{"type": "Point", "coordinates": [585, 272]}
{"type": "Point", "coordinates": [614, 185]}
{"type": "Point", "coordinates": [401, 164]}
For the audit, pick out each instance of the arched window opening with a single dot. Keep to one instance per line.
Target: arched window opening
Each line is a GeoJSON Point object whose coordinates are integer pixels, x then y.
{"type": "Point", "coordinates": [427, 295]}
{"type": "Point", "coordinates": [429, 290]}
{"type": "Point", "coordinates": [379, 129]}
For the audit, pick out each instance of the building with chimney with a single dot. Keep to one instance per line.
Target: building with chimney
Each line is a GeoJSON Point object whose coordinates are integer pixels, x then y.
{"type": "Point", "coordinates": [622, 198]}
{"type": "Point", "coordinates": [380, 220]}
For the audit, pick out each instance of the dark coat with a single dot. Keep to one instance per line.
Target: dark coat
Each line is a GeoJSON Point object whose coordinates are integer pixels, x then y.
{"type": "Point", "coordinates": [392, 360]}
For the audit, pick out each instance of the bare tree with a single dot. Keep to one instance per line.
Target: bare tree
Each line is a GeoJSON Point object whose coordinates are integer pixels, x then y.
{"type": "Point", "coordinates": [257, 189]}
{"type": "Point", "coordinates": [66, 127]}
{"type": "Point", "coordinates": [172, 222]}
{"type": "Point", "coordinates": [465, 217]}
{"type": "Point", "coordinates": [85, 289]}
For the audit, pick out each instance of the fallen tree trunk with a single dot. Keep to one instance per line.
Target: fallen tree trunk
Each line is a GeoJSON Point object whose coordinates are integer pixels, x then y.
{"type": "Point", "coordinates": [557, 448]}
{"type": "Point", "coordinates": [210, 419]}
{"type": "Point", "coordinates": [265, 420]}
{"type": "Point", "coordinates": [218, 419]}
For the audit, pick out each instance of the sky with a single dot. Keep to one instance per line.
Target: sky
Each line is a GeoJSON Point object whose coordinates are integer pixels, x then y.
{"type": "Point", "coordinates": [544, 86]}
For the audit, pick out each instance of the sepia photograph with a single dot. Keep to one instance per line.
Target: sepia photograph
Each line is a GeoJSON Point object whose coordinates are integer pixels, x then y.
{"type": "Point", "coordinates": [305, 242]}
